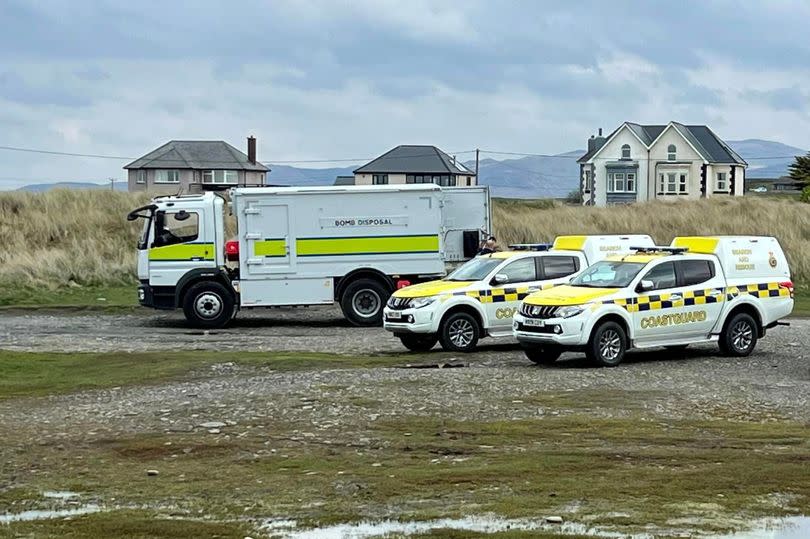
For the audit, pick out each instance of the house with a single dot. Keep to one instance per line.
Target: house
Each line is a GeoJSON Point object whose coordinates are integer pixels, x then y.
{"type": "Point", "coordinates": [190, 165]}
{"type": "Point", "coordinates": [636, 163]}
{"type": "Point", "coordinates": [414, 164]}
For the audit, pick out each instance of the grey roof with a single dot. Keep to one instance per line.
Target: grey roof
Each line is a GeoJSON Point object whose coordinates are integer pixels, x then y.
{"type": "Point", "coordinates": [344, 180]}
{"type": "Point", "coordinates": [197, 154]}
{"type": "Point", "coordinates": [707, 144]}
{"type": "Point", "coordinates": [414, 160]}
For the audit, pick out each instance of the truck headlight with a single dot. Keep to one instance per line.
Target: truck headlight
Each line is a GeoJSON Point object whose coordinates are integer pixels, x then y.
{"type": "Point", "coordinates": [418, 303]}
{"type": "Point", "coordinates": [568, 312]}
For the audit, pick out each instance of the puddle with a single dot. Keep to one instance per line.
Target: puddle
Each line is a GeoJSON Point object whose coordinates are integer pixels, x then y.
{"type": "Point", "coordinates": [27, 516]}
{"type": "Point", "coordinates": [60, 494]}
{"type": "Point", "coordinates": [384, 528]}
{"type": "Point", "coordinates": [774, 528]}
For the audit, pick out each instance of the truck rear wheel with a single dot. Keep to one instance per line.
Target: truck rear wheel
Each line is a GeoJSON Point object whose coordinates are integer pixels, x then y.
{"type": "Point", "coordinates": [208, 305]}
{"type": "Point", "coordinates": [545, 355]}
{"type": "Point", "coordinates": [739, 337]}
{"type": "Point", "coordinates": [607, 345]}
{"type": "Point", "coordinates": [362, 302]}
{"type": "Point", "coordinates": [418, 342]}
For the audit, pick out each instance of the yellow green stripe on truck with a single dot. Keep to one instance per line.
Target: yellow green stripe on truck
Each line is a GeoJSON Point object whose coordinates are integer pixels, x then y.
{"type": "Point", "coordinates": [182, 251]}
{"type": "Point", "coordinates": [270, 247]}
{"type": "Point", "coordinates": [367, 245]}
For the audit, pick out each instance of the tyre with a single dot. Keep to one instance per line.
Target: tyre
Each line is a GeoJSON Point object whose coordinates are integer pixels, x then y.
{"type": "Point", "coordinates": [739, 337]}
{"type": "Point", "coordinates": [607, 345]}
{"type": "Point", "coordinates": [545, 355]}
{"type": "Point", "coordinates": [459, 332]}
{"type": "Point", "coordinates": [208, 305]}
{"type": "Point", "coordinates": [362, 302]}
{"type": "Point", "coordinates": [419, 342]}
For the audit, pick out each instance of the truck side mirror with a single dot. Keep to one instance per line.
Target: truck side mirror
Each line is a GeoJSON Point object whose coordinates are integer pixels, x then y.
{"type": "Point", "coordinates": [645, 286]}
{"type": "Point", "coordinates": [500, 278]}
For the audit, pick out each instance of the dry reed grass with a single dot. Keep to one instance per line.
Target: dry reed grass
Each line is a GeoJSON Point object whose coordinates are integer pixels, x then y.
{"type": "Point", "coordinates": [787, 220]}
{"type": "Point", "coordinates": [61, 238]}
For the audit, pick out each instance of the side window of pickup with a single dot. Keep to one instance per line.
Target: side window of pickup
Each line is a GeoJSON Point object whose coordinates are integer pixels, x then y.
{"type": "Point", "coordinates": [556, 266]}
{"type": "Point", "coordinates": [694, 272]}
{"type": "Point", "coordinates": [662, 276]}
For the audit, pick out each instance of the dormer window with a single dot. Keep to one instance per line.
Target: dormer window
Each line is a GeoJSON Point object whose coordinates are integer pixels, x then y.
{"type": "Point", "coordinates": [672, 152]}
{"type": "Point", "coordinates": [626, 151]}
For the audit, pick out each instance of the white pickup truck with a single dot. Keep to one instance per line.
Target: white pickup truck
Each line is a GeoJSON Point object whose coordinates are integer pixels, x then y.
{"type": "Point", "coordinates": [723, 289]}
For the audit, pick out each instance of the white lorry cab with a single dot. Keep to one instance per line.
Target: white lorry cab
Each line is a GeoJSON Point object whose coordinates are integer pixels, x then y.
{"type": "Point", "coordinates": [723, 289]}
{"type": "Point", "coordinates": [480, 297]}
{"type": "Point", "coordinates": [298, 246]}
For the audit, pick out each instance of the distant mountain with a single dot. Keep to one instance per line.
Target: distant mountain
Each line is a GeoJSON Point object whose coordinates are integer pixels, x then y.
{"type": "Point", "coordinates": [525, 177]}
{"type": "Point", "coordinates": [42, 187]}
{"type": "Point", "coordinates": [766, 159]}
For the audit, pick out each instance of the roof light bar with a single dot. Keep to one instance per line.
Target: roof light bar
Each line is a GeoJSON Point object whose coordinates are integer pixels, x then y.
{"type": "Point", "coordinates": [660, 249]}
{"type": "Point", "coordinates": [530, 246]}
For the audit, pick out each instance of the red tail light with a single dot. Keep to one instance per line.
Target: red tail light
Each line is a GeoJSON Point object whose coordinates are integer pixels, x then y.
{"type": "Point", "coordinates": [403, 283]}
{"type": "Point", "coordinates": [232, 250]}
{"type": "Point", "coordinates": [788, 285]}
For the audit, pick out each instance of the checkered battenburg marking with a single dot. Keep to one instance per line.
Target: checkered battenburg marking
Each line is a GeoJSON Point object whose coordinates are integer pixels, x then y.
{"type": "Point", "coordinates": [698, 297]}
{"type": "Point", "coordinates": [502, 295]}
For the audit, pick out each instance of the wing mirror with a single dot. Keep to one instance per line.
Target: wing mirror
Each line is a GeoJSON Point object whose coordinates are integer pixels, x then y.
{"type": "Point", "coordinates": [500, 278]}
{"type": "Point", "coordinates": [646, 286]}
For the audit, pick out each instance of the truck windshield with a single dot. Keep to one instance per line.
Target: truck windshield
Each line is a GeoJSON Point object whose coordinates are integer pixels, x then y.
{"type": "Point", "coordinates": [474, 270]}
{"type": "Point", "coordinates": [607, 274]}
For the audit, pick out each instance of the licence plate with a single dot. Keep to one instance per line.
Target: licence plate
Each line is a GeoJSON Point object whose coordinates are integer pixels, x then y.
{"type": "Point", "coordinates": [534, 322]}
{"type": "Point", "coordinates": [395, 315]}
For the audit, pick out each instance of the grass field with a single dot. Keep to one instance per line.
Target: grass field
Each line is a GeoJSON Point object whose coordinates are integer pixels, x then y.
{"type": "Point", "coordinates": [73, 247]}
{"type": "Point", "coordinates": [629, 472]}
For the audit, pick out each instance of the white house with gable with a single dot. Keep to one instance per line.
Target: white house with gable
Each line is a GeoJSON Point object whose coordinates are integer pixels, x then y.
{"type": "Point", "coordinates": [636, 163]}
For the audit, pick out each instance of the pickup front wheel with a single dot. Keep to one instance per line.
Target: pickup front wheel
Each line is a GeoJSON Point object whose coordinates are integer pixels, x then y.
{"type": "Point", "coordinates": [739, 336]}
{"type": "Point", "coordinates": [607, 345]}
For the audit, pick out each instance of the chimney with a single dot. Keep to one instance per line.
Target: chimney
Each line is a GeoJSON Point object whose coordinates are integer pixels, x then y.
{"type": "Point", "coordinates": [251, 149]}
{"type": "Point", "coordinates": [600, 131]}
{"type": "Point", "coordinates": [596, 142]}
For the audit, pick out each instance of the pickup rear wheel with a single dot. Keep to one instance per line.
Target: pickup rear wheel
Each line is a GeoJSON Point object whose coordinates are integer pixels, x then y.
{"type": "Point", "coordinates": [607, 345]}
{"type": "Point", "coordinates": [362, 302]}
{"type": "Point", "coordinates": [419, 342]}
{"type": "Point", "coordinates": [546, 355]}
{"type": "Point", "coordinates": [208, 305]}
{"type": "Point", "coordinates": [739, 337]}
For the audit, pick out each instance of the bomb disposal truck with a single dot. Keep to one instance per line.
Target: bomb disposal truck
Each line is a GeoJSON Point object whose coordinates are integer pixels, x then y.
{"type": "Point", "coordinates": [723, 289]}
{"type": "Point", "coordinates": [300, 246]}
{"type": "Point", "coordinates": [480, 297]}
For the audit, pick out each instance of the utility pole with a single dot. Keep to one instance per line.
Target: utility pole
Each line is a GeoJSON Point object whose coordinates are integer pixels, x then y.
{"type": "Point", "coordinates": [477, 151]}
{"type": "Point", "coordinates": [112, 183]}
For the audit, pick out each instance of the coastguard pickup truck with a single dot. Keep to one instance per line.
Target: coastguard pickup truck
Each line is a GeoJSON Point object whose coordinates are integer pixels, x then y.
{"type": "Point", "coordinates": [723, 289]}
{"type": "Point", "coordinates": [480, 297]}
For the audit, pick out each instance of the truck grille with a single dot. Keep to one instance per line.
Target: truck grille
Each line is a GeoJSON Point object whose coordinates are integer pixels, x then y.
{"type": "Point", "coordinates": [399, 304]}
{"type": "Point", "coordinates": [538, 311]}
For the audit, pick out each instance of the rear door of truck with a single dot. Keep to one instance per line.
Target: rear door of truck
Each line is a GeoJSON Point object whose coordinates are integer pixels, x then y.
{"type": "Point", "coordinates": [466, 217]}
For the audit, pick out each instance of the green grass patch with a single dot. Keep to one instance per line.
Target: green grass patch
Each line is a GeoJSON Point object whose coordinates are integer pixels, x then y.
{"type": "Point", "coordinates": [801, 305]}
{"type": "Point", "coordinates": [114, 297]}
{"type": "Point", "coordinates": [24, 374]}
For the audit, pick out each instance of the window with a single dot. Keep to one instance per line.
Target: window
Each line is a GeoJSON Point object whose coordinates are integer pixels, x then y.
{"type": "Point", "coordinates": [175, 227]}
{"type": "Point", "coordinates": [621, 182]}
{"type": "Point", "coordinates": [631, 182]}
{"type": "Point", "coordinates": [626, 151]}
{"type": "Point", "coordinates": [695, 271]}
{"type": "Point", "coordinates": [721, 182]}
{"type": "Point", "coordinates": [417, 178]}
{"type": "Point", "coordinates": [662, 276]}
{"type": "Point", "coordinates": [607, 274]}
{"type": "Point", "coordinates": [140, 176]}
{"type": "Point", "coordinates": [672, 152]}
{"type": "Point", "coordinates": [588, 181]}
{"type": "Point", "coordinates": [223, 177]}
{"type": "Point", "coordinates": [469, 181]}
{"type": "Point", "coordinates": [555, 267]}
{"type": "Point", "coordinates": [167, 176]}
{"type": "Point", "coordinates": [520, 271]}
{"type": "Point", "coordinates": [673, 183]}
{"type": "Point", "coordinates": [379, 179]}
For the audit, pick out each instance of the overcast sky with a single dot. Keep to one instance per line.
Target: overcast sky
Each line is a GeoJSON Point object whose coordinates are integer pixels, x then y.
{"type": "Point", "coordinates": [332, 79]}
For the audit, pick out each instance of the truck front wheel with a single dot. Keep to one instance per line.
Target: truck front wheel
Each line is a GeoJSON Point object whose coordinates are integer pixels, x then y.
{"type": "Point", "coordinates": [208, 305]}
{"type": "Point", "coordinates": [739, 336]}
{"type": "Point", "coordinates": [362, 302]}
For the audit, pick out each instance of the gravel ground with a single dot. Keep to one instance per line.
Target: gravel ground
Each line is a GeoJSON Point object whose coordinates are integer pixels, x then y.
{"type": "Point", "coordinates": [497, 383]}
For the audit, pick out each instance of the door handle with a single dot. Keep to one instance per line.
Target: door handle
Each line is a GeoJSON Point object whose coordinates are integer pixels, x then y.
{"type": "Point", "coordinates": [716, 292]}
{"type": "Point", "coordinates": [675, 297]}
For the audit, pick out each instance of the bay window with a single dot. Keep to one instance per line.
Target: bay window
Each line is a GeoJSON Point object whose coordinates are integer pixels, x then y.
{"type": "Point", "coordinates": [222, 177]}
{"type": "Point", "coordinates": [621, 182]}
{"type": "Point", "coordinates": [167, 176]}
